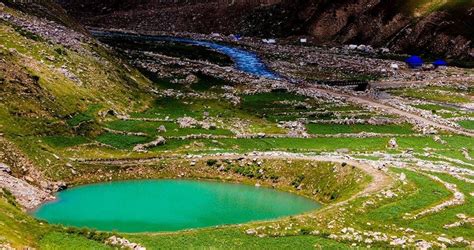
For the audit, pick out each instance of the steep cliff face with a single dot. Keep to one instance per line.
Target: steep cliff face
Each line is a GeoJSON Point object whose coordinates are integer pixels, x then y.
{"type": "Point", "coordinates": [441, 27]}
{"type": "Point", "coordinates": [437, 28]}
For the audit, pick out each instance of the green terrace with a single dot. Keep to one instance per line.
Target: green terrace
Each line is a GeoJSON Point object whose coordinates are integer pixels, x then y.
{"type": "Point", "coordinates": [436, 93]}
{"type": "Point", "coordinates": [315, 128]}
{"type": "Point", "coordinates": [324, 144]}
{"type": "Point", "coordinates": [467, 124]}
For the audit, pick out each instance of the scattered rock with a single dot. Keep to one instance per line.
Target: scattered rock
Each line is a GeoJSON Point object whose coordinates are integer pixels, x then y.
{"type": "Point", "coordinates": [187, 122]}
{"type": "Point", "coordinates": [423, 245]}
{"type": "Point", "coordinates": [143, 147]}
{"type": "Point", "coordinates": [162, 129]}
{"type": "Point", "coordinates": [191, 79]}
{"type": "Point", "coordinates": [123, 243]}
{"type": "Point", "coordinates": [352, 47]}
{"type": "Point", "coordinates": [5, 168]}
{"type": "Point", "coordinates": [389, 194]}
{"type": "Point", "coordinates": [6, 246]}
{"type": "Point", "coordinates": [392, 143]}
{"type": "Point", "coordinates": [438, 139]}
{"type": "Point", "coordinates": [208, 125]}
{"type": "Point", "coordinates": [343, 151]}
{"type": "Point", "coordinates": [465, 153]}
{"type": "Point", "coordinates": [28, 179]}
{"type": "Point", "coordinates": [444, 240]}
{"type": "Point", "coordinates": [398, 242]}
{"type": "Point", "coordinates": [461, 216]}
{"type": "Point", "coordinates": [251, 232]}
{"type": "Point", "coordinates": [26, 194]}
{"type": "Point", "coordinates": [403, 177]}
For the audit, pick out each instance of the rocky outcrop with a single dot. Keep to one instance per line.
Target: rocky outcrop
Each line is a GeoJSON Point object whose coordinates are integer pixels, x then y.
{"type": "Point", "coordinates": [5, 168]}
{"type": "Point", "coordinates": [123, 243]}
{"type": "Point", "coordinates": [14, 162]}
{"type": "Point", "coordinates": [394, 24]}
{"type": "Point", "coordinates": [27, 195]}
{"type": "Point", "coordinates": [22, 179]}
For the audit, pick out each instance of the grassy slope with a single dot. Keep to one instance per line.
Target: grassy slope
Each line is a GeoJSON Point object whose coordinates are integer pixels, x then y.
{"type": "Point", "coordinates": [106, 81]}
{"type": "Point", "coordinates": [436, 222]}
{"type": "Point", "coordinates": [230, 238]}
{"type": "Point", "coordinates": [438, 94]}
{"type": "Point", "coordinates": [37, 99]}
{"type": "Point", "coordinates": [469, 124]}
{"type": "Point", "coordinates": [63, 145]}
{"type": "Point", "coordinates": [358, 128]}
{"type": "Point", "coordinates": [19, 229]}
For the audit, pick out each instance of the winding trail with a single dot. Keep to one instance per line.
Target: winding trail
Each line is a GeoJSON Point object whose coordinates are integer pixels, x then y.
{"type": "Point", "coordinates": [411, 116]}
{"type": "Point", "coordinates": [389, 109]}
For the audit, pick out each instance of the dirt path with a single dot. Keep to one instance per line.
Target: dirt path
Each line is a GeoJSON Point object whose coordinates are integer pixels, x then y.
{"type": "Point", "coordinates": [392, 110]}
{"type": "Point", "coordinates": [380, 179]}
{"type": "Point", "coordinates": [409, 115]}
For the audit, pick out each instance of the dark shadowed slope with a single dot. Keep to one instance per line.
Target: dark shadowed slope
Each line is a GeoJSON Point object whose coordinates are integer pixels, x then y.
{"type": "Point", "coordinates": [440, 27]}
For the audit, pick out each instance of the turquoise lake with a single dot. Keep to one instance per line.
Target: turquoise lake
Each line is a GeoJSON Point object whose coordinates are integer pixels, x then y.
{"type": "Point", "coordinates": [168, 205]}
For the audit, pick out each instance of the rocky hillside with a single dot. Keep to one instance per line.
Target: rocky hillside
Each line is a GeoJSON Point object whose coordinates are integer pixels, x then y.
{"type": "Point", "coordinates": [54, 79]}
{"type": "Point", "coordinates": [439, 27]}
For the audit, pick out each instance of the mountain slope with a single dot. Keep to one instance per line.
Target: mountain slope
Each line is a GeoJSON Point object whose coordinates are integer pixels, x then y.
{"type": "Point", "coordinates": [55, 80]}
{"type": "Point", "coordinates": [440, 27]}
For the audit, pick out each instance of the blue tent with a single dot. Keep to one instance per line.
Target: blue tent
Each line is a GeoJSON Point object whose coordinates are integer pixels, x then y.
{"type": "Point", "coordinates": [236, 37]}
{"type": "Point", "coordinates": [414, 62]}
{"type": "Point", "coordinates": [440, 63]}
